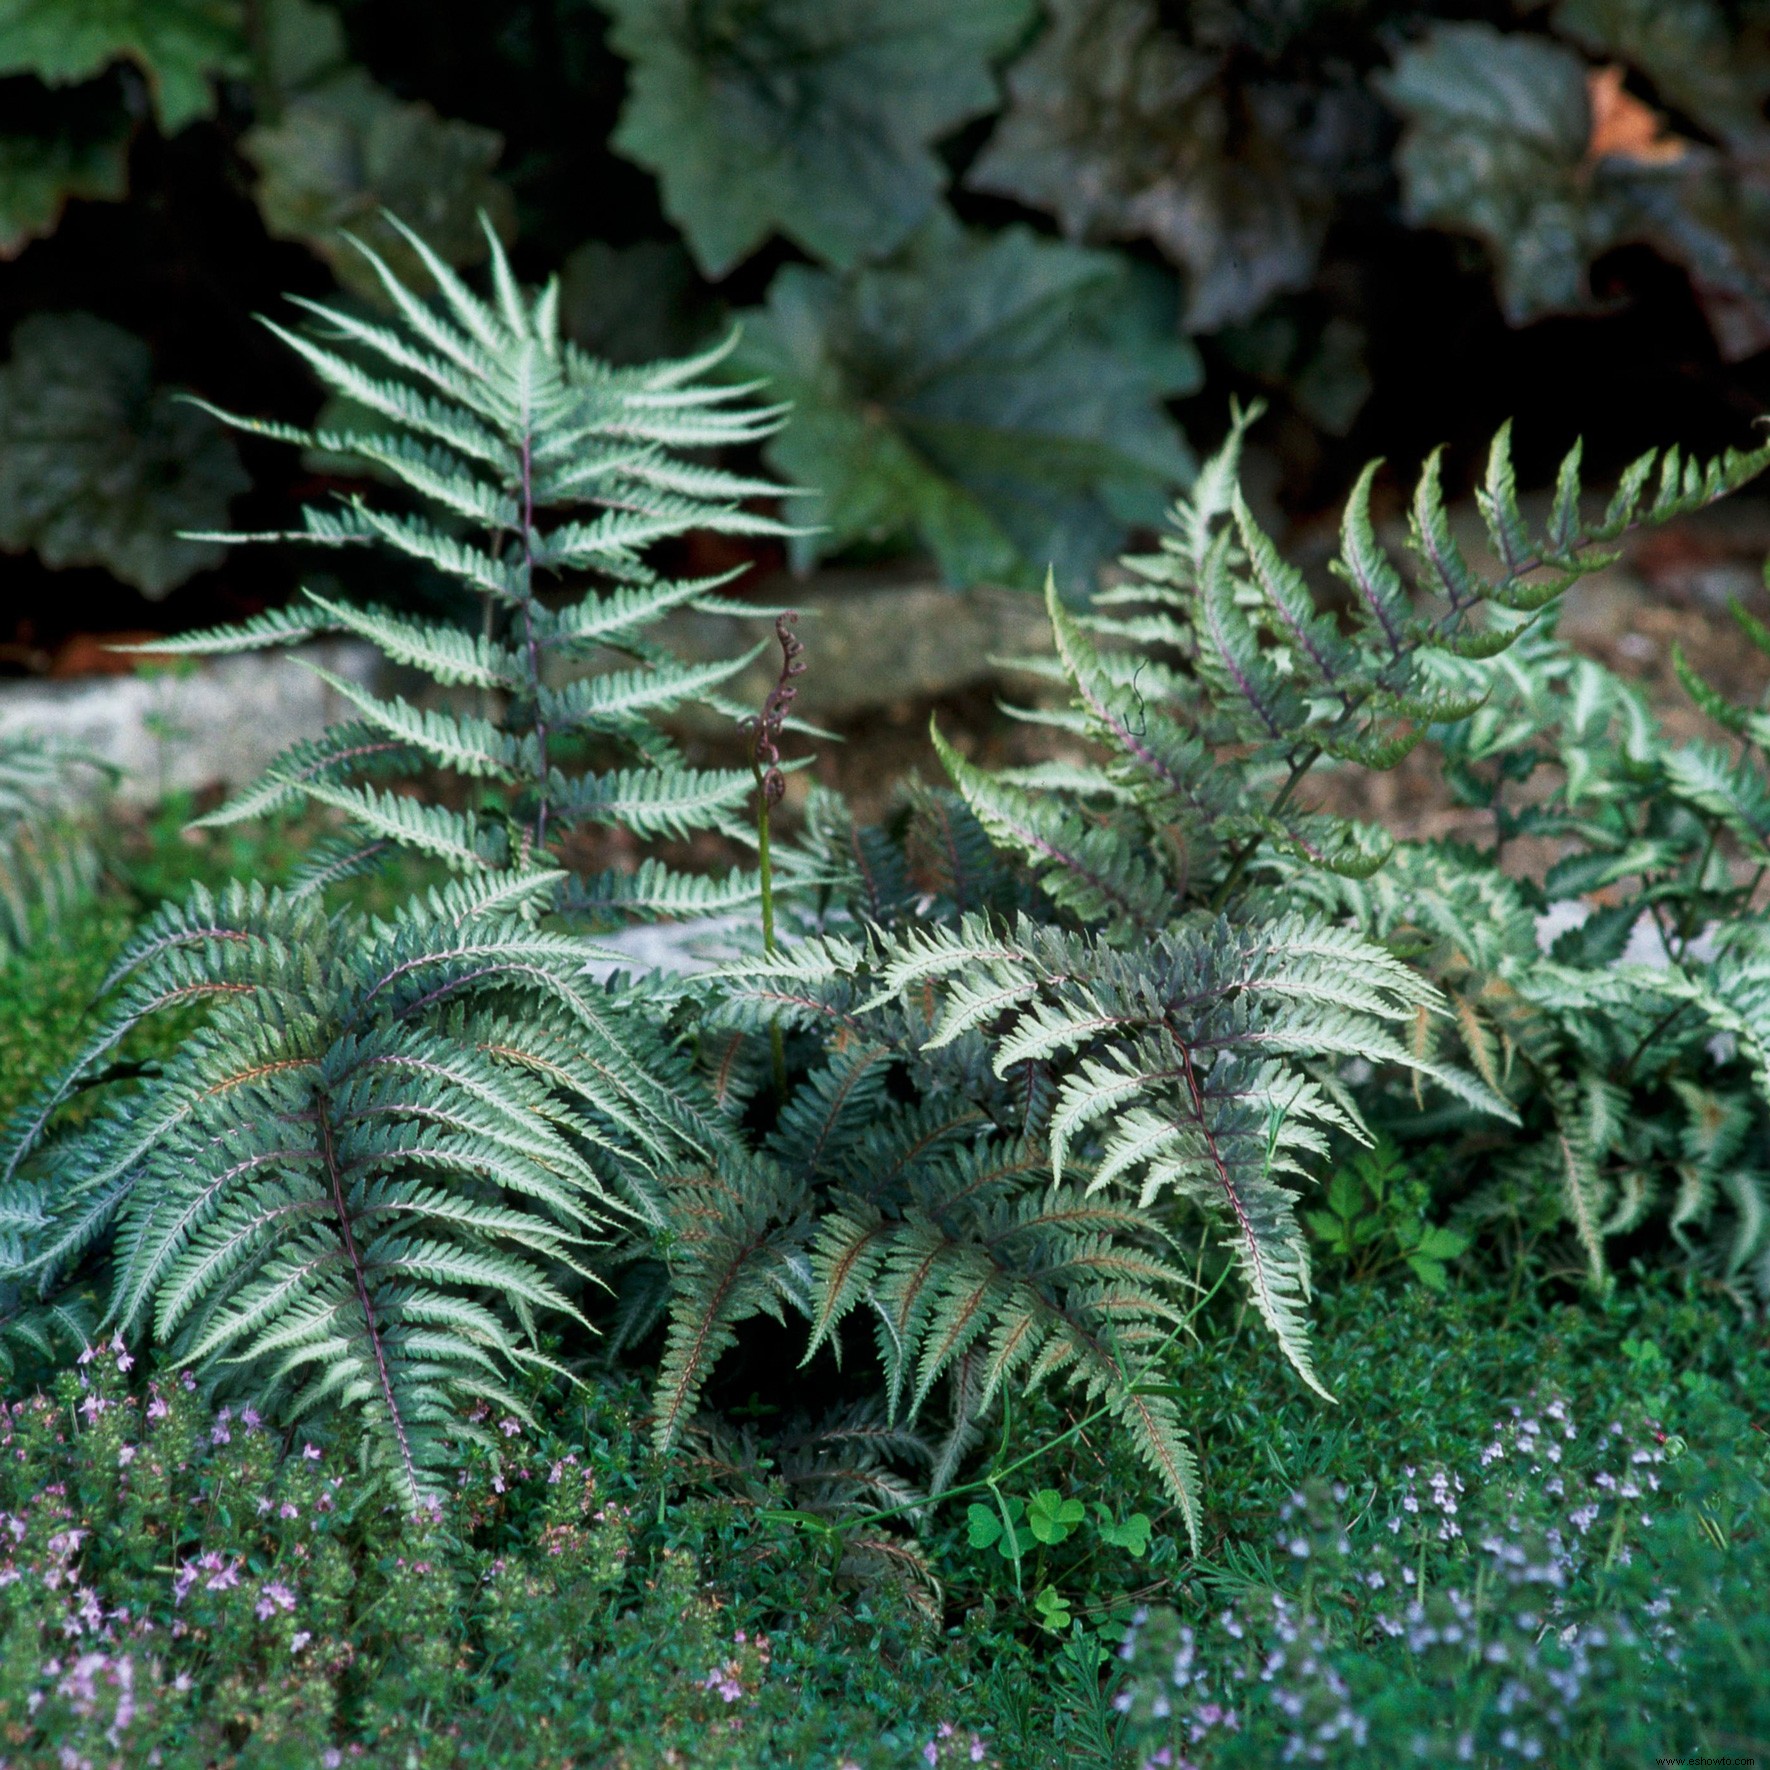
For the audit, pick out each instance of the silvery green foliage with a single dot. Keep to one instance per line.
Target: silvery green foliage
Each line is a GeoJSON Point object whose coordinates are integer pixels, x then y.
{"type": "Point", "coordinates": [367, 1176]}
{"type": "Point", "coordinates": [1181, 997]}
{"type": "Point", "coordinates": [542, 479]}
{"type": "Point", "coordinates": [1212, 683]}
{"type": "Point", "coordinates": [1635, 1041]}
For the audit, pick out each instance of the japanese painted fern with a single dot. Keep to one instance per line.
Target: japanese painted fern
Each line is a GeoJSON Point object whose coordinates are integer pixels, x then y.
{"type": "Point", "coordinates": [372, 1170]}
{"type": "Point", "coordinates": [1152, 1035]}
{"type": "Point", "coordinates": [536, 480]}
{"type": "Point", "coordinates": [1619, 998]}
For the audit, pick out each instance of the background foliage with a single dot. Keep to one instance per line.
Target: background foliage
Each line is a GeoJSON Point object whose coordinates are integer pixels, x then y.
{"type": "Point", "coordinates": [990, 254]}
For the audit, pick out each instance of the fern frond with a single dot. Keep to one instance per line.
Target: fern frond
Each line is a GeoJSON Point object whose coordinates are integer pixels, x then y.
{"type": "Point", "coordinates": [368, 1173]}
{"type": "Point", "coordinates": [536, 479]}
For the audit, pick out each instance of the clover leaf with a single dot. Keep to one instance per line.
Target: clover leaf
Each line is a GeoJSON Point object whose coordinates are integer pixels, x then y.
{"type": "Point", "coordinates": [986, 1528]}
{"type": "Point", "coordinates": [1132, 1535]}
{"type": "Point", "coordinates": [1054, 1610]}
{"type": "Point", "coordinates": [1051, 1518]}
{"type": "Point", "coordinates": [803, 117]}
{"type": "Point", "coordinates": [995, 397]}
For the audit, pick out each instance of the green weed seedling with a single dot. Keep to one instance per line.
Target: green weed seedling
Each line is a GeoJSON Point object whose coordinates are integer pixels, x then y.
{"type": "Point", "coordinates": [1375, 1220]}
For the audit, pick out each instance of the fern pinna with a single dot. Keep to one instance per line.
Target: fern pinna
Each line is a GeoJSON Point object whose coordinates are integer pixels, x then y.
{"type": "Point", "coordinates": [984, 1159]}
{"type": "Point", "coordinates": [536, 479]}
{"type": "Point", "coordinates": [1213, 684]}
{"type": "Point", "coordinates": [1619, 997]}
{"type": "Point", "coordinates": [369, 1175]}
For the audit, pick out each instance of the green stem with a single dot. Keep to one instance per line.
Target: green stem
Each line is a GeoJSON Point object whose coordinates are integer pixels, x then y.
{"type": "Point", "coordinates": [775, 1050]}
{"type": "Point", "coordinates": [989, 1482]}
{"type": "Point", "coordinates": [1251, 847]}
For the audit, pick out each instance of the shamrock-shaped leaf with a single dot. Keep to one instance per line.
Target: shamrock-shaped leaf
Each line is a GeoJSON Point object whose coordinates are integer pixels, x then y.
{"type": "Point", "coordinates": [1132, 1535]}
{"type": "Point", "coordinates": [801, 116]}
{"type": "Point", "coordinates": [1055, 1614]}
{"type": "Point", "coordinates": [996, 397]}
{"type": "Point", "coordinates": [343, 150]}
{"type": "Point", "coordinates": [58, 147]}
{"type": "Point", "coordinates": [100, 467]}
{"type": "Point", "coordinates": [985, 1528]}
{"type": "Point", "coordinates": [1122, 131]}
{"type": "Point", "coordinates": [1051, 1518]}
{"type": "Point", "coordinates": [177, 44]}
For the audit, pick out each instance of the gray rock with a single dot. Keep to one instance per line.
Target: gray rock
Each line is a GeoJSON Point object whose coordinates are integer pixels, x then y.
{"type": "Point", "coordinates": [221, 723]}
{"type": "Point", "coordinates": [674, 947]}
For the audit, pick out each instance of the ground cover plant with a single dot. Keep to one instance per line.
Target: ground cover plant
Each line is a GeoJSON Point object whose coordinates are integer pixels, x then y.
{"type": "Point", "coordinates": [940, 1220]}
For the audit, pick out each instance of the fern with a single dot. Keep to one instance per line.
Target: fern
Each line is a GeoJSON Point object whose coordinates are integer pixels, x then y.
{"type": "Point", "coordinates": [1012, 1222]}
{"type": "Point", "coordinates": [1175, 988]}
{"type": "Point", "coordinates": [1214, 685]}
{"type": "Point", "coordinates": [371, 1172]}
{"type": "Point", "coordinates": [1603, 1055]}
{"type": "Point", "coordinates": [48, 864]}
{"type": "Point", "coordinates": [998, 1059]}
{"type": "Point", "coordinates": [538, 480]}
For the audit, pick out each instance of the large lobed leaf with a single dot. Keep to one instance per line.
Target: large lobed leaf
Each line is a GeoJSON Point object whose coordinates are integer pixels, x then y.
{"type": "Point", "coordinates": [100, 467]}
{"type": "Point", "coordinates": [341, 152]}
{"type": "Point", "coordinates": [1513, 138]}
{"type": "Point", "coordinates": [57, 148]}
{"type": "Point", "coordinates": [995, 397]}
{"type": "Point", "coordinates": [1122, 130]}
{"type": "Point", "coordinates": [803, 117]}
{"type": "Point", "coordinates": [179, 45]}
